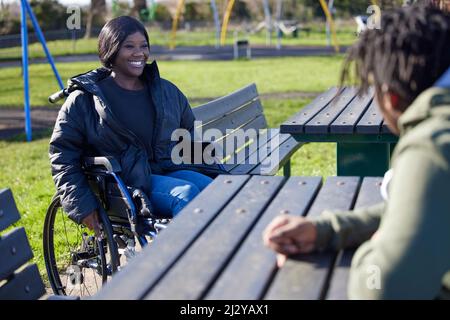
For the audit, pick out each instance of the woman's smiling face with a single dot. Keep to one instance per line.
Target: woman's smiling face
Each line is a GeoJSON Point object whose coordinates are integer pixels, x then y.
{"type": "Point", "coordinates": [132, 56]}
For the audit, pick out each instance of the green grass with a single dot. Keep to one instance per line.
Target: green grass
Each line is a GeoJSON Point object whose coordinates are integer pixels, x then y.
{"type": "Point", "coordinates": [317, 37]}
{"type": "Point", "coordinates": [197, 79]}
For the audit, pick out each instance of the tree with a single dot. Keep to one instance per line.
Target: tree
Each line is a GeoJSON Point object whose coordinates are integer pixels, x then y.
{"type": "Point", "coordinates": [162, 14]}
{"type": "Point", "coordinates": [139, 6]}
{"type": "Point", "coordinates": [95, 16]}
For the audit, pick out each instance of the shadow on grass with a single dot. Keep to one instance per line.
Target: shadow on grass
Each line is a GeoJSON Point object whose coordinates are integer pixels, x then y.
{"type": "Point", "coordinates": [37, 135]}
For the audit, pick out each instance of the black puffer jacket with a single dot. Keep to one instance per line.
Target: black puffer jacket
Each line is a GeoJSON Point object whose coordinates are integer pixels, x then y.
{"type": "Point", "coordinates": [86, 127]}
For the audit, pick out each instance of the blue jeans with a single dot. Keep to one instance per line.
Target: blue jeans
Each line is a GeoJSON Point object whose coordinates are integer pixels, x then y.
{"type": "Point", "coordinates": [173, 191]}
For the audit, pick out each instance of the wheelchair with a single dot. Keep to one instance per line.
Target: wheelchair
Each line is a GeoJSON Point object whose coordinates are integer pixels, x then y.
{"type": "Point", "coordinates": [77, 261]}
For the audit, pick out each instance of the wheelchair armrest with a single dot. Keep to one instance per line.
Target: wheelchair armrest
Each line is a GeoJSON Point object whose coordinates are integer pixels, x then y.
{"type": "Point", "coordinates": [110, 163]}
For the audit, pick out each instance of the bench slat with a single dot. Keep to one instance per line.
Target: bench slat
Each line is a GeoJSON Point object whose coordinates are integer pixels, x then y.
{"type": "Point", "coordinates": [8, 209]}
{"type": "Point", "coordinates": [297, 122]}
{"type": "Point", "coordinates": [149, 266]}
{"type": "Point", "coordinates": [216, 108]}
{"type": "Point", "coordinates": [235, 119]}
{"type": "Point", "coordinates": [15, 251]}
{"type": "Point", "coordinates": [347, 120]}
{"type": "Point", "coordinates": [277, 157]}
{"type": "Point", "coordinates": [371, 121]}
{"type": "Point", "coordinates": [246, 159]}
{"type": "Point", "coordinates": [369, 195]}
{"type": "Point", "coordinates": [264, 153]}
{"type": "Point", "coordinates": [243, 155]}
{"type": "Point", "coordinates": [321, 122]}
{"type": "Point", "coordinates": [25, 285]}
{"type": "Point", "coordinates": [304, 276]}
{"type": "Point", "coordinates": [206, 258]}
{"type": "Point", "coordinates": [254, 263]}
{"type": "Point", "coordinates": [257, 123]}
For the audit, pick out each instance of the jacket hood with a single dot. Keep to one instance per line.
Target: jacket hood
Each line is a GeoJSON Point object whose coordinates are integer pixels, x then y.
{"type": "Point", "coordinates": [89, 80]}
{"type": "Point", "coordinates": [433, 102]}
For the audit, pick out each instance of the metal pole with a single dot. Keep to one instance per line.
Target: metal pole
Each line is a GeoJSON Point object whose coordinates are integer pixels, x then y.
{"type": "Point", "coordinates": [180, 6]}
{"type": "Point", "coordinates": [330, 19]}
{"type": "Point", "coordinates": [42, 40]}
{"type": "Point", "coordinates": [330, 6]}
{"type": "Point", "coordinates": [278, 17]}
{"type": "Point", "coordinates": [226, 18]}
{"type": "Point", "coordinates": [26, 95]}
{"type": "Point", "coordinates": [268, 21]}
{"type": "Point", "coordinates": [216, 22]}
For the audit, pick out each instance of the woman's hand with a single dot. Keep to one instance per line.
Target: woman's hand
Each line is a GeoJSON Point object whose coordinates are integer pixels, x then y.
{"type": "Point", "coordinates": [92, 222]}
{"type": "Point", "coordinates": [290, 235]}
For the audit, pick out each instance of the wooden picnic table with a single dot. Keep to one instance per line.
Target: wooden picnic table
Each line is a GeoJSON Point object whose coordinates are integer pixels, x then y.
{"type": "Point", "coordinates": [355, 124]}
{"type": "Point", "coordinates": [213, 249]}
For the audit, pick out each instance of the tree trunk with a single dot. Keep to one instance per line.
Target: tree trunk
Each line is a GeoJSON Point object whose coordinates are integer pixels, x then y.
{"type": "Point", "coordinates": [138, 5]}
{"type": "Point", "coordinates": [97, 9]}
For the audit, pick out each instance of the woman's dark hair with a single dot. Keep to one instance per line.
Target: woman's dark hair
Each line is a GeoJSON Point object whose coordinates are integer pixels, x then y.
{"type": "Point", "coordinates": [113, 34]}
{"type": "Point", "coordinates": [408, 53]}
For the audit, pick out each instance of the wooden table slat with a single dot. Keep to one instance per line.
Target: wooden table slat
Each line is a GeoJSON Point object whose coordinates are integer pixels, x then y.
{"type": "Point", "coordinates": [385, 128]}
{"type": "Point", "coordinates": [206, 257]}
{"type": "Point", "coordinates": [297, 122]}
{"type": "Point", "coordinates": [369, 195]}
{"type": "Point", "coordinates": [251, 268]}
{"type": "Point", "coordinates": [305, 276]}
{"type": "Point", "coordinates": [149, 266]}
{"type": "Point", "coordinates": [346, 121]}
{"type": "Point", "coordinates": [320, 124]}
{"type": "Point", "coordinates": [371, 121]}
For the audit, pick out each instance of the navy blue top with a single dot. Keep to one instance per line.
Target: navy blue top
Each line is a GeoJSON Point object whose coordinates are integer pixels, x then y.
{"type": "Point", "coordinates": [133, 108]}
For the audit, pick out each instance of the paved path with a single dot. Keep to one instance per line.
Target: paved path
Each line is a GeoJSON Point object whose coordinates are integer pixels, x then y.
{"type": "Point", "coordinates": [200, 53]}
{"type": "Point", "coordinates": [12, 119]}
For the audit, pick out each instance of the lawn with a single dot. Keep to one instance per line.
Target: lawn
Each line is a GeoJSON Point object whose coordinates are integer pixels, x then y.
{"type": "Point", "coordinates": [26, 168]}
{"type": "Point", "coordinates": [197, 79]}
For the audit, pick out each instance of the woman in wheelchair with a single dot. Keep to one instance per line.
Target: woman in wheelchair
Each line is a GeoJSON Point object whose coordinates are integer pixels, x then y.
{"type": "Point", "coordinates": [122, 110]}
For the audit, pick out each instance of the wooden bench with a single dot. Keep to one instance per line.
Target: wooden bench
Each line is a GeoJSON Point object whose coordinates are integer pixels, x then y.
{"type": "Point", "coordinates": [22, 282]}
{"type": "Point", "coordinates": [355, 124]}
{"type": "Point", "coordinates": [263, 151]}
{"type": "Point", "coordinates": [214, 248]}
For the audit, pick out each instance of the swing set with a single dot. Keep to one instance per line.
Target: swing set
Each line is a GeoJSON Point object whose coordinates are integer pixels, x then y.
{"type": "Point", "coordinates": [221, 30]}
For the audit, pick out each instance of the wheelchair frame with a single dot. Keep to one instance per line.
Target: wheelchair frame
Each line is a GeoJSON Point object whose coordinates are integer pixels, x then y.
{"type": "Point", "coordinates": [92, 253]}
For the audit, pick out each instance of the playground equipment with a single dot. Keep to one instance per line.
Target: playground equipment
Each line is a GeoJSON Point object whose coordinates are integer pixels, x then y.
{"type": "Point", "coordinates": [180, 6]}
{"type": "Point", "coordinates": [268, 23]}
{"type": "Point", "coordinates": [24, 9]}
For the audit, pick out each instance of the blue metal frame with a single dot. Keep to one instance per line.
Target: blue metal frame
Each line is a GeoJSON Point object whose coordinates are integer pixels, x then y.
{"type": "Point", "coordinates": [133, 212]}
{"type": "Point", "coordinates": [216, 21]}
{"type": "Point", "coordinates": [24, 8]}
{"type": "Point", "coordinates": [26, 95]}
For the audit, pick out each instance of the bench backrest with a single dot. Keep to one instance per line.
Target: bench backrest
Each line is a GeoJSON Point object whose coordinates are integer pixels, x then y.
{"type": "Point", "coordinates": [16, 282]}
{"type": "Point", "coordinates": [240, 109]}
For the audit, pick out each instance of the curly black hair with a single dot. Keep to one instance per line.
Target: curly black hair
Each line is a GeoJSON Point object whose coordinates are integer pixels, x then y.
{"type": "Point", "coordinates": [408, 53]}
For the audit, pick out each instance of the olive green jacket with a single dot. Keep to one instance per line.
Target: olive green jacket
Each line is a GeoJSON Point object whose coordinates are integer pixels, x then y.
{"type": "Point", "coordinates": [409, 255]}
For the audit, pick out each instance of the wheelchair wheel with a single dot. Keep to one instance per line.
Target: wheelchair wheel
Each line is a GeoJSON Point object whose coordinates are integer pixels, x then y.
{"type": "Point", "coordinates": [77, 263]}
